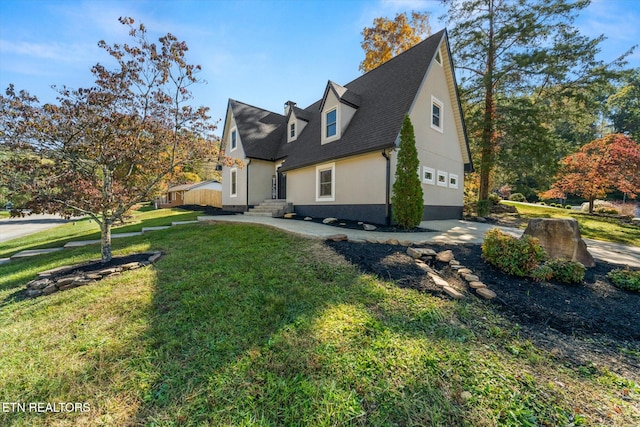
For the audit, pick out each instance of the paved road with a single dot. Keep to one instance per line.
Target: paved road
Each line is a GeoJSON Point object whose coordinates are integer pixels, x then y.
{"type": "Point", "coordinates": [12, 228]}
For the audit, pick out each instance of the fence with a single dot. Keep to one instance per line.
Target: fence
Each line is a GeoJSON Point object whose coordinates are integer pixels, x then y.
{"type": "Point", "coordinates": [203, 197]}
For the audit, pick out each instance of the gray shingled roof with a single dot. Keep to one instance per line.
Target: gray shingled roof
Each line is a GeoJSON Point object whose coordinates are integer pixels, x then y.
{"type": "Point", "coordinates": [261, 131]}
{"type": "Point", "coordinates": [382, 97]}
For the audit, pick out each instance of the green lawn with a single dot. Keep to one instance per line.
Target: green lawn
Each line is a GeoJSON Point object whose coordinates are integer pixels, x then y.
{"type": "Point", "coordinates": [4, 214]}
{"type": "Point", "coordinates": [87, 229]}
{"type": "Point", "coordinates": [245, 325]}
{"type": "Point", "coordinates": [591, 226]}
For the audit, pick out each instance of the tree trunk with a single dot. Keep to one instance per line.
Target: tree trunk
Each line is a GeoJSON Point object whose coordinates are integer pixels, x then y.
{"type": "Point", "coordinates": [591, 205]}
{"type": "Point", "coordinates": [105, 240]}
{"type": "Point", "coordinates": [487, 142]}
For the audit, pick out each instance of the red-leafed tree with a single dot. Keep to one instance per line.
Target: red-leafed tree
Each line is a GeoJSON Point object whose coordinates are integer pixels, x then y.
{"type": "Point", "coordinates": [601, 166]}
{"type": "Point", "coordinates": [101, 150]}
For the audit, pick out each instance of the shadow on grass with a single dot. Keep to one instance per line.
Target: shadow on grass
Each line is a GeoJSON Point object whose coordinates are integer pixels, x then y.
{"type": "Point", "coordinates": [253, 326]}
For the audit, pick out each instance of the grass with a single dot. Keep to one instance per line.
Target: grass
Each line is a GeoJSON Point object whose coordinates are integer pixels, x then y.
{"type": "Point", "coordinates": [244, 325]}
{"type": "Point", "coordinates": [4, 214]}
{"type": "Point", "coordinates": [87, 229]}
{"type": "Point", "coordinates": [591, 226]}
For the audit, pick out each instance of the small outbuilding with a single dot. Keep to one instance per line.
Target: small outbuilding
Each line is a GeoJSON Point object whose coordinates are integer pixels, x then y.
{"type": "Point", "coordinates": [205, 193]}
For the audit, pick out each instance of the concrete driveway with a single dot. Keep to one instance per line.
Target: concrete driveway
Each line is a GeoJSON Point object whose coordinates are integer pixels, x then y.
{"type": "Point", "coordinates": [12, 228]}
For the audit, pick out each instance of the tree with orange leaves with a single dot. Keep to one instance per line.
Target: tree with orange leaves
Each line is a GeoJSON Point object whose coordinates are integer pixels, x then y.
{"type": "Point", "coordinates": [103, 149]}
{"type": "Point", "coordinates": [387, 38]}
{"type": "Point", "coordinates": [601, 166]}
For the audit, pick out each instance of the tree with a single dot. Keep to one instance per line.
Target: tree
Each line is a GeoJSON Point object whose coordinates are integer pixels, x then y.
{"type": "Point", "coordinates": [407, 200]}
{"type": "Point", "coordinates": [516, 48]}
{"type": "Point", "coordinates": [388, 38]}
{"type": "Point", "coordinates": [103, 149]}
{"type": "Point", "coordinates": [625, 106]}
{"type": "Point", "coordinates": [601, 166]}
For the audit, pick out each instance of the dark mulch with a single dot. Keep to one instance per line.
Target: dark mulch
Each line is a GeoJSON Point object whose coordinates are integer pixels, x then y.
{"type": "Point", "coordinates": [97, 265]}
{"type": "Point", "coordinates": [207, 210]}
{"type": "Point", "coordinates": [581, 321]}
{"type": "Point", "coordinates": [358, 225]}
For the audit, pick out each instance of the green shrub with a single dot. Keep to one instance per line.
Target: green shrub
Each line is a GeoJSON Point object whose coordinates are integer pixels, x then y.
{"type": "Point", "coordinates": [519, 257]}
{"type": "Point", "coordinates": [607, 211]}
{"type": "Point", "coordinates": [483, 207]}
{"type": "Point", "coordinates": [566, 271]}
{"type": "Point", "coordinates": [568, 207]}
{"type": "Point", "coordinates": [518, 197]}
{"type": "Point", "coordinates": [494, 198]}
{"type": "Point", "coordinates": [542, 272]}
{"type": "Point", "coordinates": [625, 279]}
{"type": "Point", "coordinates": [407, 200]}
{"type": "Point", "coordinates": [542, 203]}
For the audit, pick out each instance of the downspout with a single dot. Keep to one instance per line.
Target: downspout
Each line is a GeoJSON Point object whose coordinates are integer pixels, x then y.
{"type": "Point", "coordinates": [248, 163]}
{"type": "Point", "coordinates": [387, 198]}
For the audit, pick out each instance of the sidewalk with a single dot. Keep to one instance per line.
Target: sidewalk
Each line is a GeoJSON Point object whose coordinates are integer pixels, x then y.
{"type": "Point", "coordinates": [447, 232]}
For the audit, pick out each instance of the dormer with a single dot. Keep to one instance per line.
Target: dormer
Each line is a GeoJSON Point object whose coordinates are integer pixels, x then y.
{"type": "Point", "coordinates": [297, 120]}
{"type": "Point", "coordinates": [337, 108]}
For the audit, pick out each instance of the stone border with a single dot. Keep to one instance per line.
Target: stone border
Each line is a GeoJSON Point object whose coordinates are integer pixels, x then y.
{"type": "Point", "coordinates": [45, 285]}
{"type": "Point", "coordinates": [420, 255]}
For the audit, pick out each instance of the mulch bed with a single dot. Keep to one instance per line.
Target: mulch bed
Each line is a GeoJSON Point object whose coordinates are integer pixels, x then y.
{"type": "Point", "coordinates": [584, 322]}
{"type": "Point", "coordinates": [358, 225]}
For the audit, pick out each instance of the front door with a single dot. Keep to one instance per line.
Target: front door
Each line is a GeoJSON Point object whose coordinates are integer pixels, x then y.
{"type": "Point", "coordinates": [282, 185]}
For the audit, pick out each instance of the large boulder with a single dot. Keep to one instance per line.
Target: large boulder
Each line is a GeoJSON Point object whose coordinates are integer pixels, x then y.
{"type": "Point", "coordinates": [560, 237]}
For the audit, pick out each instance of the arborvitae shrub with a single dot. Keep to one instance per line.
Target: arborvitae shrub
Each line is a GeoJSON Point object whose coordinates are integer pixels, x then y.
{"type": "Point", "coordinates": [519, 257]}
{"type": "Point", "coordinates": [407, 201]}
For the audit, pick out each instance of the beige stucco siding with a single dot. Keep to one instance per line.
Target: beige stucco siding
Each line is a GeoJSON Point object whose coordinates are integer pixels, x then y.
{"type": "Point", "coordinates": [260, 179]}
{"type": "Point", "coordinates": [358, 180]}
{"type": "Point", "coordinates": [238, 153]}
{"type": "Point", "coordinates": [438, 150]}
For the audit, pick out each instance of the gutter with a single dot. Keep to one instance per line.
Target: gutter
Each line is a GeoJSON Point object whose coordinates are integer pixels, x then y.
{"type": "Point", "coordinates": [248, 163]}
{"type": "Point", "coordinates": [387, 198]}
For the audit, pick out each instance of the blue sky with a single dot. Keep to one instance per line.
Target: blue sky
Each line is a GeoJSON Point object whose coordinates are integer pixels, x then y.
{"type": "Point", "coordinates": [260, 52]}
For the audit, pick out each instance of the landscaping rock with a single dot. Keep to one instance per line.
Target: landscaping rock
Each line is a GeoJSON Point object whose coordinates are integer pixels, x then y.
{"type": "Point", "coordinates": [393, 242]}
{"type": "Point", "coordinates": [56, 270]}
{"type": "Point", "coordinates": [452, 292]}
{"type": "Point", "coordinates": [50, 289]}
{"type": "Point", "coordinates": [108, 271]}
{"type": "Point", "coordinates": [560, 237]}
{"type": "Point", "coordinates": [66, 280]}
{"type": "Point", "coordinates": [308, 218]}
{"type": "Point", "coordinates": [131, 266]}
{"type": "Point", "coordinates": [38, 284]}
{"type": "Point", "coordinates": [471, 278]}
{"type": "Point", "coordinates": [444, 256]}
{"type": "Point", "coordinates": [420, 252]}
{"type": "Point", "coordinates": [477, 285]}
{"type": "Point", "coordinates": [464, 271]}
{"type": "Point", "coordinates": [423, 266]}
{"type": "Point", "coordinates": [438, 280]}
{"type": "Point", "coordinates": [454, 262]}
{"type": "Point", "coordinates": [289, 215]}
{"type": "Point", "coordinates": [338, 238]}
{"type": "Point", "coordinates": [154, 257]}
{"type": "Point", "coordinates": [486, 293]}
{"type": "Point", "coordinates": [32, 293]}
{"type": "Point", "coordinates": [406, 243]}
{"type": "Point", "coordinates": [369, 227]}
{"type": "Point", "coordinates": [329, 220]}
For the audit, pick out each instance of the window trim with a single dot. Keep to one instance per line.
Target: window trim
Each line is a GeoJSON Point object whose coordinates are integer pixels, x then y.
{"type": "Point", "coordinates": [292, 130]}
{"type": "Point", "coordinates": [425, 180]}
{"type": "Point", "coordinates": [335, 136]}
{"type": "Point", "coordinates": [233, 140]}
{"type": "Point", "coordinates": [438, 57]}
{"type": "Point", "coordinates": [445, 182]}
{"type": "Point", "coordinates": [453, 176]}
{"type": "Point", "coordinates": [233, 172]}
{"type": "Point", "coordinates": [436, 101]}
{"type": "Point", "coordinates": [322, 168]}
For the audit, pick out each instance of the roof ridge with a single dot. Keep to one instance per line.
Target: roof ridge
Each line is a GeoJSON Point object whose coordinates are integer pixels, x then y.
{"type": "Point", "coordinates": [257, 108]}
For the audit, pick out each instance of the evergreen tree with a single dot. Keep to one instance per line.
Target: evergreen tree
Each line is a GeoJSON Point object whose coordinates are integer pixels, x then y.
{"type": "Point", "coordinates": [407, 199]}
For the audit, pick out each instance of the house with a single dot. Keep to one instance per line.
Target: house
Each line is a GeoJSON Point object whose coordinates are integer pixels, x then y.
{"type": "Point", "coordinates": [205, 193]}
{"type": "Point", "coordinates": [337, 157]}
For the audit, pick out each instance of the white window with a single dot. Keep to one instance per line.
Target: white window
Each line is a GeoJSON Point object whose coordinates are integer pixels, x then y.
{"type": "Point", "coordinates": [428, 175]}
{"type": "Point", "coordinates": [442, 179]}
{"type": "Point", "coordinates": [438, 58]}
{"type": "Point", "coordinates": [234, 139]}
{"type": "Point", "coordinates": [326, 183]}
{"type": "Point", "coordinates": [292, 130]}
{"type": "Point", "coordinates": [331, 125]}
{"type": "Point", "coordinates": [453, 180]}
{"type": "Point", "coordinates": [233, 190]}
{"type": "Point", "coordinates": [437, 113]}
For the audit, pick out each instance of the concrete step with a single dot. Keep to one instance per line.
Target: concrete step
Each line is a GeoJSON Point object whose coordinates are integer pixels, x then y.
{"type": "Point", "coordinates": [183, 222]}
{"type": "Point", "coordinates": [266, 214]}
{"type": "Point", "coordinates": [147, 229]}
{"type": "Point", "coordinates": [34, 252]}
